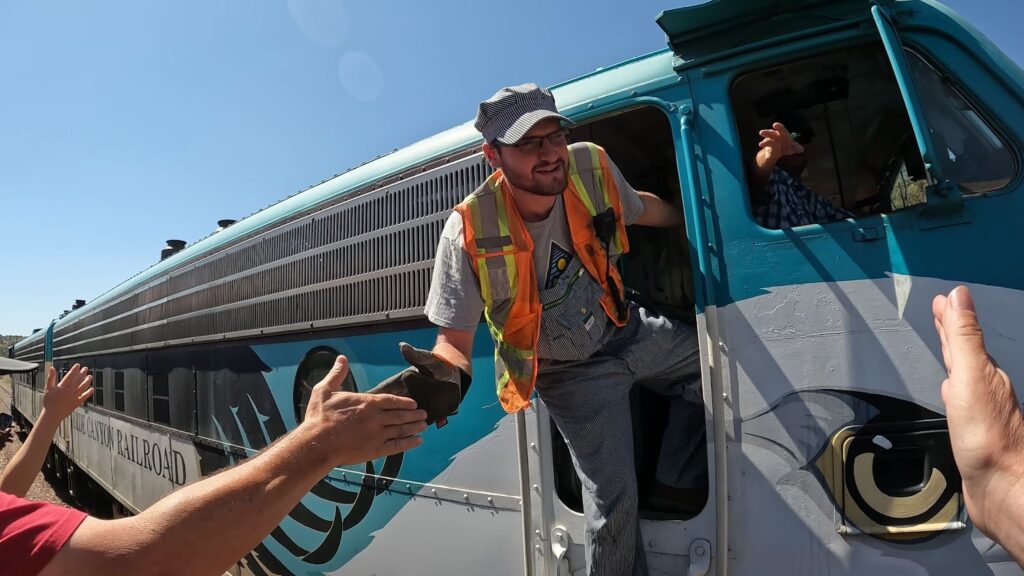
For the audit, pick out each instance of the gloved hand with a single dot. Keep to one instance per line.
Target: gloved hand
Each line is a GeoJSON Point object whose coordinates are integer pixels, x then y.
{"type": "Point", "coordinates": [435, 385]}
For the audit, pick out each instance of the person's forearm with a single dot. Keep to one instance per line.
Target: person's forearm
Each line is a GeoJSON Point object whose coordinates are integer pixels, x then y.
{"type": "Point", "coordinates": [23, 468]}
{"type": "Point", "coordinates": [657, 212]}
{"type": "Point", "coordinates": [453, 356]}
{"type": "Point", "coordinates": [764, 164]}
{"type": "Point", "coordinates": [1004, 515]}
{"type": "Point", "coordinates": [217, 521]}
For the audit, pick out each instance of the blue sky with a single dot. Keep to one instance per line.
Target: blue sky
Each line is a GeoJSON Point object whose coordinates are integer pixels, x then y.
{"type": "Point", "coordinates": [125, 123]}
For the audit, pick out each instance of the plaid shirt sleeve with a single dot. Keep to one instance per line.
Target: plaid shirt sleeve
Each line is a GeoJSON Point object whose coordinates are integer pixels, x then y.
{"type": "Point", "coordinates": [791, 203]}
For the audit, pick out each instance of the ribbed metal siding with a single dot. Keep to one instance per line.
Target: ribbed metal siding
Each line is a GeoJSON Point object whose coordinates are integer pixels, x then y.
{"type": "Point", "coordinates": [31, 353]}
{"type": "Point", "coordinates": [363, 259]}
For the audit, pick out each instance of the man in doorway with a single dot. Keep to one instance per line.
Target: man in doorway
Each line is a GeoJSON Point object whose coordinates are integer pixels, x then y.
{"type": "Point", "coordinates": [781, 199]}
{"type": "Point", "coordinates": [534, 250]}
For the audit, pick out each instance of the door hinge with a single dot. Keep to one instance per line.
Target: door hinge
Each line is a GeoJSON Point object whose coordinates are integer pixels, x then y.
{"type": "Point", "coordinates": [560, 543]}
{"type": "Point", "coordinates": [700, 558]}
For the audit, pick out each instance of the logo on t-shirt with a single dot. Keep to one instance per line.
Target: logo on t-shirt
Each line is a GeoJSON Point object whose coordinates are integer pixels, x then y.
{"type": "Point", "coordinates": [558, 262]}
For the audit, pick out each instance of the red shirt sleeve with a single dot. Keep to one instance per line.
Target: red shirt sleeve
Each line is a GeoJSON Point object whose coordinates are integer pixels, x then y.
{"type": "Point", "coordinates": [31, 534]}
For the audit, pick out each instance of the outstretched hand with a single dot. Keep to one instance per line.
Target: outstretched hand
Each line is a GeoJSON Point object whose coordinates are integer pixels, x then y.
{"type": "Point", "coordinates": [361, 427]}
{"type": "Point", "coordinates": [777, 142]}
{"type": "Point", "coordinates": [436, 385]}
{"type": "Point", "coordinates": [986, 428]}
{"type": "Point", "coordinates": [61, 398]}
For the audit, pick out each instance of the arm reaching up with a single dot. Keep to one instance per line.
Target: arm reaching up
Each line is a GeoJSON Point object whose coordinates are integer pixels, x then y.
{"type": "Point", "coordinates": [986, 428]}
{"type": "Point", "coordinates": [219, 519]}
{"type": "Point", "coordinates": [776, 143]}
{"type": "Point", "coordinates": [59, 401]}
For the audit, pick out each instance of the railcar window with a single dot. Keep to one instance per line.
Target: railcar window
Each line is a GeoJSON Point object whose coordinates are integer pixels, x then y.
{"type": "Point", "coordinates": [136, 386]}
{"type": "Point", "coordinates": [161, 400]}
{"type": "Point", "coordinates": [173, 388]}
{"type": "Point", "coordinates": [119, 391]}
{"type": "Point", "coordinates": [97, 384]}
{"type": "Point", "coordinates": [971, 153]}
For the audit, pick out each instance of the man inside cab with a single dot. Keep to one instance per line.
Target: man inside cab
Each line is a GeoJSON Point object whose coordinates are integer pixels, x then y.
{"type": "Point", "coordinates": [781, 199]}
{"type": "Point", "coordinates": [534, 250]}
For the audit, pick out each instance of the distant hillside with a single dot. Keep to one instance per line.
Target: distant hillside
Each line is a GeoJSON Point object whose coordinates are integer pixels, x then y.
{"type": "Point", "coordinates": [6, 342]}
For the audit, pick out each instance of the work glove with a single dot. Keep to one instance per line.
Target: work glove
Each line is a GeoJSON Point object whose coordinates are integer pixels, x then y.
{"type": "Point", "coordinates": [435, 385]}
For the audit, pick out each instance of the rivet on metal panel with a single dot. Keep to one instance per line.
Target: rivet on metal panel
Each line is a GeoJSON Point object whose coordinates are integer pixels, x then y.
{"type": "Point", "coordinates": [590, 106]}
{"type": "Point", "coordinates": [536, 488]}
{"type": "Point", "coordinates": [533, 446]}
{"type": "Point", "coordinates": [433, 491]}
{"type": "Point", "coordinates": [490, 501]}
{"type": "Point", "coordinates": [465, 497]}
{"type": "Point", "coordinates": [632, 93]}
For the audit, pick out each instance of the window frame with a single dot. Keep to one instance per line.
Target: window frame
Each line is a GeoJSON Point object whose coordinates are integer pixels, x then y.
{"type": "Point", "coordinates": [984, 114]}
{"type": "Point", "coordinates": [119, 395]}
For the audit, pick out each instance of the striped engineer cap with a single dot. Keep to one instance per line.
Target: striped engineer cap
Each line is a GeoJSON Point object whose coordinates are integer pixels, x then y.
{"type": "Point", "coordinates": [511, 112]}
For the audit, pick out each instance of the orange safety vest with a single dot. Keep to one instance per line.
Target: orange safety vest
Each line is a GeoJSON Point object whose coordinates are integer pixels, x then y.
{"type": "Point", "coordinates": [501, 252]}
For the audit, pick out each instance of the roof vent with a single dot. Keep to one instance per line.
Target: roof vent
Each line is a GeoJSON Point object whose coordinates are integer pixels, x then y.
{"type": "Point", "coordinates": [222, 224]}
{"type": "Point", "coordinates": [78, 304]}
{"type": "Point", "coordinates": [173, 247]}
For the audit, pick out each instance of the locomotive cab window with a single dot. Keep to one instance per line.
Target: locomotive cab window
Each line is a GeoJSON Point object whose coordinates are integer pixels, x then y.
{"type": "Point", "coordinates": [846, 147]}
{"type": "Point", "coordinates": [971, 152]}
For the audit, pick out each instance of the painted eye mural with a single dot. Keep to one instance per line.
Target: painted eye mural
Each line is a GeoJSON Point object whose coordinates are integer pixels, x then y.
{"type": "Point", "coordinates": [240, 411]}
{"type": "Point", "coordinates": [894, 481]}
{"type": "Point", "coordinates": [886, 464]}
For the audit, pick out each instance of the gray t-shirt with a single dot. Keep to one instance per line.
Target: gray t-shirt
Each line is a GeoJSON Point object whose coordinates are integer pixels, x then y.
{"type": "Point", "coordinates": [454, 300]}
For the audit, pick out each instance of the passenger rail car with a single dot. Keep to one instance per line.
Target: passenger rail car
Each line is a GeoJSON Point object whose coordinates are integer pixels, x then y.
{"type": "Point", "coordinates": [827, 447]}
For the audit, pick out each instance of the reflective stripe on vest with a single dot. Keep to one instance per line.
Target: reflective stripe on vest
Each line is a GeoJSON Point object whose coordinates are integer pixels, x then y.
{"type": "Point", "coordinates": [501, 252]}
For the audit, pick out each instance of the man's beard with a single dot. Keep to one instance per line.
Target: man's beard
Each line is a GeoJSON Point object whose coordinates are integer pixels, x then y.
{"type": "Point", "coordinates": [542, 186]}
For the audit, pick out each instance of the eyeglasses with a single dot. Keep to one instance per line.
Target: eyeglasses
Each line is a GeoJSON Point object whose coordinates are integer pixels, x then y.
{"type": "Point", "coordinates": [534, 144]}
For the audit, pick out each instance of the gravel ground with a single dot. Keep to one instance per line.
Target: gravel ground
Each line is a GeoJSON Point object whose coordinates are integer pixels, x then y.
{"type": "Point", "coordinates": [41, 488]}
